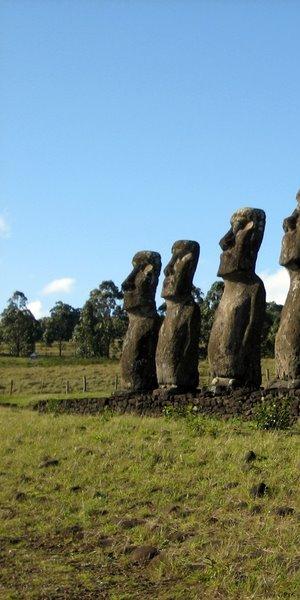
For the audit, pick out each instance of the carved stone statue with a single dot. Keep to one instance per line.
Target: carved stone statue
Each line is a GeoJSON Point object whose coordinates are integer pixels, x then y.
{"type": "Point", "coordinates": [178, 342]}
{"type": "Point", "coordinates": [138, 358]}
{"type": "Point", "coordinates": [287, 346]}
{"type": "Point", "coordinates": [234, 345]}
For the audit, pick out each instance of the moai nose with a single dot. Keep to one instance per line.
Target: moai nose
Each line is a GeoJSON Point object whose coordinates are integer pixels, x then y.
{"type": "Point", "coordinates": [129, 283]}
{"type": "Point", "coordinates": [169, 268]}
{"type": "Point", "coordinates": [228, 240]}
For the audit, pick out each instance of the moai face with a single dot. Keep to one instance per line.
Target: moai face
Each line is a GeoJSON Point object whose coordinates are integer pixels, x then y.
{"type": "Point", "coordinates": [242, 242]}
{"type": "Point", "coordinates": [290, 250]}
{"type": "Point", "coordinates": [180, 270]}
{"type": "Point", "coordinates": [140, 286]}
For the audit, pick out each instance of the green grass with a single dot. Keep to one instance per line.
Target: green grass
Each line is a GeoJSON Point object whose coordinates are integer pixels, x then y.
{"type": "Point", "coordinates": [29, 400]}
{"type": "Point", "coordinates": [49, 375]}
{"type": "Point", "coordinates": [69, 531]}
{"type": "Point", "coordinates": [68, 349]}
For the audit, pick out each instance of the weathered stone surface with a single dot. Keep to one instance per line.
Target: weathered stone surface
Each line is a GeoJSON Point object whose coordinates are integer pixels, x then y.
{"type": "Point", "coordinates": [287, 346]}
{"type": "Point", "coordinates": [226, 405]}
{"type": "Point", "coordinates": [178, 343]}
{"type": "Point", "coordinates": [138, 357]}
{"type": "Point", "coordinates": [234, 345]}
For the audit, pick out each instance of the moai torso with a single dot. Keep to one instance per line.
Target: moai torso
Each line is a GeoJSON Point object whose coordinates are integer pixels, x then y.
{"type": "Point", "coordinates": [287, 345]}
{"type": "Point", "coordinates": [178, 342]}
{"type": "Point", "coordinates": [138, 356]}
{"type": "Point", "coordinates": [235, 340]}
{"type": "Point", "coordinates": [138, 369]}
{"type": "Point", "coordinates": [234, 346]}
{"type": "Point", "coordinates": [178, 346]}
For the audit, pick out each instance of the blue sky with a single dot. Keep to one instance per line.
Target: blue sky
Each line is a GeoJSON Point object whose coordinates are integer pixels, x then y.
{"type": "Point", "coordinates": [129, 124]}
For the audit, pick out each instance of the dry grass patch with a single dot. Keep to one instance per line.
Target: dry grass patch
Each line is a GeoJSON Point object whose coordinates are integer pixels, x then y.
{"type": "Point", "coordinates": [54, 375]}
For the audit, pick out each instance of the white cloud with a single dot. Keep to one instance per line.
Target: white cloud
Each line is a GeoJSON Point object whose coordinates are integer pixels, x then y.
{"type": "Point", "coordinates": [63, 285]}
{"type": "Point", "coordinates": [277, 285]}
{"type": "Point", "coordinates": [4, 228]}
{"type": "Point", "coordinates": [36, 308]}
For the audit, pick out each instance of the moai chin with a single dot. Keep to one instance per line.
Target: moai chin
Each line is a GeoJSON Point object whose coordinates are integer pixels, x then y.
{"type": "Point", "coordinates": [138, 370]}
{"type": "Point", "coordinates": [235, 340]}
{"type": "Point", "coordinates": [178, 342]}
{"type": "Point", "coordinates": [287, 345]}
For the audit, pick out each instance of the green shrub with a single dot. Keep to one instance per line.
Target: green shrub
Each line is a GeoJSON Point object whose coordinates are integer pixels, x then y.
{"type": "Point", "coordinates": [273, 413]}
{"type": "Point", "coordinates": [196, 423]}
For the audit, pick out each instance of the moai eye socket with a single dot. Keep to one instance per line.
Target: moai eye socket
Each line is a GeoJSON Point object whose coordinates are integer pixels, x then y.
{"type": "Point", "coordinates": [290, 223]}
{"type": "Point", "coordinates": [243, 225]}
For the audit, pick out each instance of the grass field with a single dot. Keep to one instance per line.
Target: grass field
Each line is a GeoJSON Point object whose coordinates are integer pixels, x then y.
{"type": "Point", "coordinates": [81, 498]}
{"type": "Point", "coordinates": [50, 375]}
{"type": "Point", "coordinates": [124, 507]}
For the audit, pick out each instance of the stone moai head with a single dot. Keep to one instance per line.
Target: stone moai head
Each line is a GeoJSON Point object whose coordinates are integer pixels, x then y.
{"type": "Point", "coordinates": [140, 286]}
{"type": "Point", "coordinates": [179, 272]}
{"type": "Point", "coordinates": [290, 250]}
{"type": "Point", "coordinates": [242, 242]}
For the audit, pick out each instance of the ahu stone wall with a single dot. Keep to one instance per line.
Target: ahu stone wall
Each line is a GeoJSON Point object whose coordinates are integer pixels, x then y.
{"type": "Point", "coordinates": [227, 405]}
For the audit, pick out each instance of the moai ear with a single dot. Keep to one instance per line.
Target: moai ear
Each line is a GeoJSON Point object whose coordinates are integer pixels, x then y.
{"type": "Point", "coordinates": [148, 272]}
{"type": "Point", "coordinates": [148, 269]}
{"type": "Point", "coordinates": [249, 226]}
{"type": "Point", "coordinates": [187, 258]}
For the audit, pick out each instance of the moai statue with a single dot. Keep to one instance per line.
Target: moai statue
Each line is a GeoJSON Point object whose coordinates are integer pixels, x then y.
{"type": "Point", "coordinates": [287, 345]}
{"type": "Point", "coordinates": [138, 358]}
{"type": "Point", "coordinates": [235, 340]}
{"type": "Point", "coordinates": [178, 342]}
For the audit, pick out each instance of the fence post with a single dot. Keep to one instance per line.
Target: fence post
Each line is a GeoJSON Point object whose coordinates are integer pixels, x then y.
{"type": "Point", "coordinates": [67, 387]}
{"type": "Point", "coordinates": [84, 384]}
{"type": "Point", "coordinates": [11, 387]}
{"type": "Point", "coordinates": [116, 382]}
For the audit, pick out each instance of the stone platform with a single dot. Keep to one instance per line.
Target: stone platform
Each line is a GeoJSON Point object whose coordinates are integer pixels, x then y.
{"type": "Point", "coordinates": [238, 403]}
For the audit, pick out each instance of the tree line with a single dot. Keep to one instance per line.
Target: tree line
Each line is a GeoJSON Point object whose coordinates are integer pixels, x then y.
{"type": "Point", "coordinates": [102, 322]}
